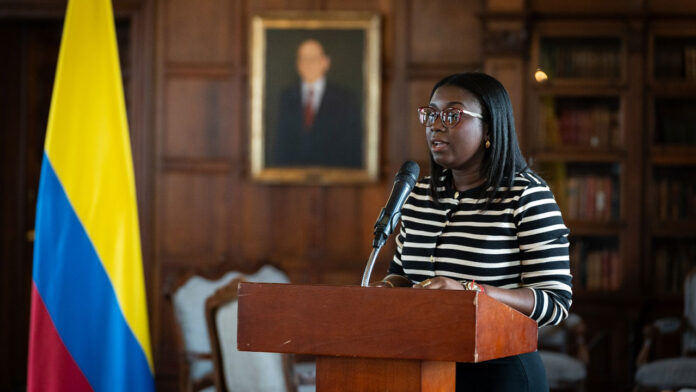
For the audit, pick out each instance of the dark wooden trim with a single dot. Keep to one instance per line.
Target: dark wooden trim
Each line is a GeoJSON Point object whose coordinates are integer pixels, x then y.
{"type": "Point", "coordinates": [438, 71]}
{"type": "Point", "coordinates": [197, 165]}
{"type": "Point", "coordinates": [207, 71]}
{"type": "Point", "coordinates": [141, 116]}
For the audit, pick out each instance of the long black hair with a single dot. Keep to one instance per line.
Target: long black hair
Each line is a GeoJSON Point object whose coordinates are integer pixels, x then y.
{"type": "Point", "coordinates": [503, 160]}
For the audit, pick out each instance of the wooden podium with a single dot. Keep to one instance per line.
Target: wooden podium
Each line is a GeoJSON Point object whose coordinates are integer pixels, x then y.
{"type": "Point", "coordinates": [379, 339]}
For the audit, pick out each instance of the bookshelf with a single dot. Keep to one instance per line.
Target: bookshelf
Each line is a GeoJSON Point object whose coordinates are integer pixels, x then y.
{"type": "Point", "coordinates": [577, 142]}
{"type": "Point", "coordinates": [609, 97]}
{"type": "Point", "coordinates": [584, 136]}
{"type": "Point", "coordinates": [670, 164]}
{"type": "Point", "coordinates": [610, 125]}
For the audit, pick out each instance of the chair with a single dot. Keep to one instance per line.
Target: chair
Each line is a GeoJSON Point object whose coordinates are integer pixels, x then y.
{"type": "Point", "coordinates": [188, 304]}
{"type": "Point", "coordinates": [675, 373]}
{"type": "Point", "coordinates": [565, 354]}
{"type": "Point", "coordinates": [250, 371]}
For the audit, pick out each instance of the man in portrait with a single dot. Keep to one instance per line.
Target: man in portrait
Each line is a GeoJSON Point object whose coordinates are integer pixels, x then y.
{"type": "Point", "coordinates": [319, 122]}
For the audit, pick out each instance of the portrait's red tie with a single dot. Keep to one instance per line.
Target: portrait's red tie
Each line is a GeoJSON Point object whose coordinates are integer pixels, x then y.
{"type": "Point", "coordinates": [308, 110]}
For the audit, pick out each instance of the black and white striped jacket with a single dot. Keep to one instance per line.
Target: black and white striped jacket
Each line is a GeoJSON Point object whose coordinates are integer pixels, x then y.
{"type": "Point", "coordinates": [519, 241]}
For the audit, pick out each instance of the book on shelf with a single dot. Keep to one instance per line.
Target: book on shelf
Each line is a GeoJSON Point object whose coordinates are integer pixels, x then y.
{"type": "Point", "coordinates": [595, 268]}
{"type": "Point", "coordinates": [674, 121]}
{"type": "Point", "coordinates": [690, 62]}
{"type": "Point", "coordinates": [676, 199]}
{"type": "Point", "coordinates": [591, 198]}
{"type": "Point", "coordinates": [580, 58]}
{"type": "Point", "coordinates": [668, 62]}
{"type": "Point", "coordinates": [581, 123]}
{"type": "Point", "coordinates": [555, 174]}
{"type": "Point", "coordinates": [547, 117]}
{"type": "Point", "coordinates": [675, 58]}
{"type": "Point", "coordinates": [672, 261]}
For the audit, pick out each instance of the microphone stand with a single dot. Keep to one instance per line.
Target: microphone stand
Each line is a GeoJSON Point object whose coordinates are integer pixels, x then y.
{"type": "Point", "coordinates": [391, 213]}
{"type": "Point", "coordinates": [370, 264]}
{"type": "Point", "coordinates": [382, 228]}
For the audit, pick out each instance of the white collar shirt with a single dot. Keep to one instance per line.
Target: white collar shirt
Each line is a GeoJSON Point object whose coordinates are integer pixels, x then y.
{"type": "Point", "coordinates": [317, 89]}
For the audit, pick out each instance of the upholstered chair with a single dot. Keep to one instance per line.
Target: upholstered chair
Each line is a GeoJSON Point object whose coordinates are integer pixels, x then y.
{"type": "Point", "coordinates": [565, 354]}
{"type": "Point", "coordinates": [676, 373]}
{"type": "Point", "coordinates": [191, 333]}
{"type": "Point", "coordinates": [250, 371]}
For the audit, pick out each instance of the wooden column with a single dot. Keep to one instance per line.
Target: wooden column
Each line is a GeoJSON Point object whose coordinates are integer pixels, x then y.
{"type": "Point", "coordinates": [505, 41]}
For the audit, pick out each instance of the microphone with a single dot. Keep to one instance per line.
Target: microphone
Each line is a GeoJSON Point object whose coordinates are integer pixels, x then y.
{"type": "Point", "coordinates": [391, 213]}
{"type": "Point", "coordinates": [404, 182]}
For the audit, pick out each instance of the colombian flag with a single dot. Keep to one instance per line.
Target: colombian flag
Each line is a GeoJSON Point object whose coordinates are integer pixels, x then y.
{"type": "Point", "coordinates": [89, 328]}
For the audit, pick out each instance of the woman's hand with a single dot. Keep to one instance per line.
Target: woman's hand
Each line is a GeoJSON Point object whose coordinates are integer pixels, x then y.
{"type": "Point", "coordinates": [439, 283]}
{"type": "Point", "coordinates": [381, 283]}
{"type": "Point", "coordinates": [521, 299]}
{"type": "Point", "coordinates": [392, 280]}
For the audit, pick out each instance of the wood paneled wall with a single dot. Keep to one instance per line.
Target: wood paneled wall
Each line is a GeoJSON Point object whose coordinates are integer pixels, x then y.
{"type": "Point", "coordinates": [188, 113]}
{"type": "Point", "coordinates": [209, 214]}
{"type": "Point", "coordinates": [187, 83]}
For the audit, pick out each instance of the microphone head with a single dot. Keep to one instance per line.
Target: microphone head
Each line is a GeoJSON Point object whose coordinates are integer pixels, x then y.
{"type": "Point", "coordinates": [409, 172]}
{"type": "Point", "coordinates": [389, 216]}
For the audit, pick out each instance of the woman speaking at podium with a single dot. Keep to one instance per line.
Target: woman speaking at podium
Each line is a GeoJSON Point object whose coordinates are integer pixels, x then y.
{"type": "Point", "coordinates": [483, 220]}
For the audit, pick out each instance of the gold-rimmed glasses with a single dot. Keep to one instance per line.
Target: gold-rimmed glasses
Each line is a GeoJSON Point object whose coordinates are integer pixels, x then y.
{"type": "Point", "coordinates": [450, 116]}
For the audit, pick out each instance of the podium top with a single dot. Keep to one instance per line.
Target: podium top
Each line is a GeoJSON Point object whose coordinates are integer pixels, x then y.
{"type": "Point", "coordinates": [369, 322]}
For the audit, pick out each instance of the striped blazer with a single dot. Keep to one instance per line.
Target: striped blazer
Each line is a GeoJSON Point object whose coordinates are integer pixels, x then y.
{"type": "Point", "coordinates": [519, 241]}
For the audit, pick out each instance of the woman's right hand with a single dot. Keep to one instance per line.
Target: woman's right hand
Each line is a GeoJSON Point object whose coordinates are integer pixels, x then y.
{"type": "Point", "coordinates": [392, 280]}
{"type": "Point", "coordinates": [381, 283]}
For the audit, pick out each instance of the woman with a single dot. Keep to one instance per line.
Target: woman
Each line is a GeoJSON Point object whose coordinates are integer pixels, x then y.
{"type": "Point", "coordinates": [484, 221]}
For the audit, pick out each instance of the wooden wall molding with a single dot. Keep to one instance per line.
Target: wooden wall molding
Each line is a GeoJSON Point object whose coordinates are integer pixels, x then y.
{"type": "Point", "coordinates": [505, 42]}
{"type": "Point", "coordinates": [203, 71]}
{"type": "Point", "coordinates": [429, 71]}
{"type": "Point", "coordinates": [198, 166]}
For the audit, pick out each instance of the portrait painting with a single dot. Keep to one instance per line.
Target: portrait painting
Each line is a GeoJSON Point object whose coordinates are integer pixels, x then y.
{"type": "Point", "coordinates": [315, 97]}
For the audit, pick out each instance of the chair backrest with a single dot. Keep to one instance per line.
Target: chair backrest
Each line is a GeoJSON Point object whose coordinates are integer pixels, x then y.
{"type": "Point", "coordinates": [237, 370]}
{"type": "Point", "coordinates": [562, 337]}
{"type": "Point", "coordinates": [564, 353]}
{"type": "Point", "coordinates": [689, 337]}
{"type": "Point", "coordinates": [188, 302]}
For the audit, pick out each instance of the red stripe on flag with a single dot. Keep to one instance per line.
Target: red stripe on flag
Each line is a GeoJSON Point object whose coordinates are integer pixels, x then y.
{"type": "Point", "coordinates": [51, 367]}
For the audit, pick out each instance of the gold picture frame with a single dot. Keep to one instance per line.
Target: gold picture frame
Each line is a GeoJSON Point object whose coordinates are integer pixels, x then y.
{"type": "Point", "coordinates": [335, 138]}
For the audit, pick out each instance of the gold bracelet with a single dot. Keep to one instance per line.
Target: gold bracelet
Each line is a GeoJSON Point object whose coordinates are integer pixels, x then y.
{"type": "Point", "coordinates": [389, 282]}
{"type": "Point", "coordinates": [472, 285]}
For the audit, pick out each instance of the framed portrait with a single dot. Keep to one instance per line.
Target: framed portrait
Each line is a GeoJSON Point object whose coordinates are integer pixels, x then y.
{"type": "Point", "coordinates": [315, 97]}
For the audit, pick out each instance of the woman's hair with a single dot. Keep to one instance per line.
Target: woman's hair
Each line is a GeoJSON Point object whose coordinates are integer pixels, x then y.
{"type": "Point", "coordinates": [503, 160]}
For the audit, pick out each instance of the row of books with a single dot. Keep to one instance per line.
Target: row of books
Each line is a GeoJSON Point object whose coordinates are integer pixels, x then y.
{"type": "Point", "coordinates": [595, 268]}
{"type": "Point", "coordinates": [675, 199]}
{"type": "Point", "coordinates": [569, 58]}
{"type": "Point", "coordinates": [590, 198]}
{"type": "Point", "coordinates": [676, 62]}
{"type": "Point", "coordinates": [588, 122]}
{"type": "Point", "coordinates": [573, 58]}
{"type": "Point", "coordinates": [690, 62]}
{"type": "Point", "coordinates": [675, 123]}
{"type": "Point", "coordinates": [672, 262]}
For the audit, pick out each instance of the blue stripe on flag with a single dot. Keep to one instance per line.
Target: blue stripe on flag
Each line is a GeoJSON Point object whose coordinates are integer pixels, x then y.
{"type": "Point", "coordinates": [79, 296]}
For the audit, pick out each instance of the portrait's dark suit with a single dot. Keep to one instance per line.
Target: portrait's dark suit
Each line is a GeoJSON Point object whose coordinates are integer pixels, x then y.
{"type": "Point", "coordinates": [335, 138]}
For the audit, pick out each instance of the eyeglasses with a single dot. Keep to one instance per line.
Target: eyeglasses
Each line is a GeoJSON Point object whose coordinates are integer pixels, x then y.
{"type": "Point", "coordinates": [450, 116]}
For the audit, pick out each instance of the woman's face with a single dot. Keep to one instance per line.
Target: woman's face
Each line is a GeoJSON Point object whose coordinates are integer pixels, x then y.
{"type": "Point", "coordinates": [459, 147]}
